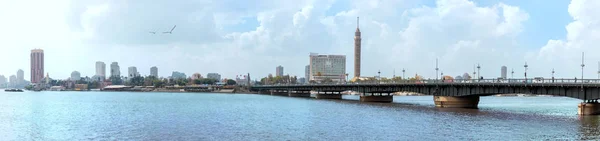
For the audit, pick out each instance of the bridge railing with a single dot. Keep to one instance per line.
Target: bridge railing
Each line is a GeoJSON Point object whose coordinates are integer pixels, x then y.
{"type": "Point", "coordinates": [457, 81]}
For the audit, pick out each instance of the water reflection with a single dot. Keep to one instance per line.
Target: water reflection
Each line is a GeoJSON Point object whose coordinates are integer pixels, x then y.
{"type": "Point", "coordinates": [589, 128]}
{"type": "Point", "coordinates": [185, 116]}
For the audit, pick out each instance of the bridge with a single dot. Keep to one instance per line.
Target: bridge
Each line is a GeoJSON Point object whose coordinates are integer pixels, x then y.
{"type": "Point", "coordinates": [450, 93]}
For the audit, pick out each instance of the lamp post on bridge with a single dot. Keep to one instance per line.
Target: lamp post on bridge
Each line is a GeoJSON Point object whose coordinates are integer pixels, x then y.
{"type": "Point", "coordinates": [436, 69]}
{"type": "Point", "coordinates": [378, 76]}
{"type": "Point", "coordinates": [478, 72]}
{"type": "Point", "coordinates": [474, 73]}
{"type": "Point", "coordinates": [582, 65]}
{"type": "Point", "coordinates": [552, 75]}
{"type": "Point", "coordinates": [525, 71]}
{"type": "Point", "coordinates": [512, 74]}
{"type": "Point", "coordinates": [346, 78]}
{"type": "Point", "coordinates": [403, 71]}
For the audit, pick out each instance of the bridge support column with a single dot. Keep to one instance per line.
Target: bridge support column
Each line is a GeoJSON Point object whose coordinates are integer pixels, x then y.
{"type": "Point", "coordinates": [456, 102]}
{"type": "Point", "coordinates": [586, 108]}
{"type": "Point", "coordinates": [328, 96]}
{"type": "Point", "coordinates": [299, 94]}
{"type": "Point", "coordinates": [377, 98]}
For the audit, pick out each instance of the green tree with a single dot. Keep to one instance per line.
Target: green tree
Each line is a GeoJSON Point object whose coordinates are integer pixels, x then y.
{"type": "Point", "coordinates": [231, 82]}
{"type": "Point", "coordinates": [116, 80]}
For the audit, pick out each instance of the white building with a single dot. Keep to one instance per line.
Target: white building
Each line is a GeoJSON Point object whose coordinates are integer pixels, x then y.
{"type": "Point", "coordinates": [327, 66]}
{"type": "Point", "coordinates": [214, 76]}
{"type": "Point", "coordinates": [154, 71]}
{"type": "Point", "coordinates": [2, 81]}
{"type": "Point", "coordinates": [13, 81]}
{"type": "Point", "coordinates": [307, 73]}
{"type": "Point", "coordinates": [115, 70]}
{"type": "Point", "coordinates": [132, 72]}
{"type": "Point", "coordinates": [279, 71]}
{"type": "Point", "coordinates": [101, 70]}
{"type": "Point", "coordinates": [20, 77]}
{"type": "Point", "coordinates": [75, 75]}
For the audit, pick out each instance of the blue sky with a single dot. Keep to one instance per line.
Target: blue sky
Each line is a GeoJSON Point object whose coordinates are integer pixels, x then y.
{"type": "Point", "coordinates": [237, 37]}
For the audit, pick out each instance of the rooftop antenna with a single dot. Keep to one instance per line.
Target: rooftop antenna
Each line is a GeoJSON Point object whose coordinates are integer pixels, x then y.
{"type": "Point", "coordinates": [357, 19]}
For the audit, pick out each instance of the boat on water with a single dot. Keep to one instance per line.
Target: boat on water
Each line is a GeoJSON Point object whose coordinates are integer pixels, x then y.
{"type": "Point", "coordinates": [13, 90]}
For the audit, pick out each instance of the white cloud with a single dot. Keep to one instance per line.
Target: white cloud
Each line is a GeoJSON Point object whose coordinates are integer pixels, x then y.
{"type": "Point", "coordinates": [396, 34]}
{"type": "Point", "coordinates": [583, 35]}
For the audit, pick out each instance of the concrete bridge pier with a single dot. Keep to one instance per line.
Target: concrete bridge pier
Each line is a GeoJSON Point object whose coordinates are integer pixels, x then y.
{"type": "Point", "coordinates": [299, 94]}
{"type": "Point", "coordinates": [590, 107]}
{"type": "Point", "coordinates": [456, 102]}
{"type": "Point", "coordinates": [377, 98]}
{"type": "Point", "coordinates": [319, 95]}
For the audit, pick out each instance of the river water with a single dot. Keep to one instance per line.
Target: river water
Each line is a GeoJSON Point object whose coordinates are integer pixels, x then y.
{"type": "Point", "coordinates": [207, 116]}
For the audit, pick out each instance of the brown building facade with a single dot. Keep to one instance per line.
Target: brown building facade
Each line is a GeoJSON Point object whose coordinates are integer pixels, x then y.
{"type": "Point", "coordinates": [37, 65]}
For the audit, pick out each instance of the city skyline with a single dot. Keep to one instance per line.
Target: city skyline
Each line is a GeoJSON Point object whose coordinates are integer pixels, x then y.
{"type": "Point", "coordinates": [507, 33]}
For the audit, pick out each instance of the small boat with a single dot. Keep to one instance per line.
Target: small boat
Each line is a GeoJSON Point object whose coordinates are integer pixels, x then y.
{"type": "Point", "coordinates": [13, 90]}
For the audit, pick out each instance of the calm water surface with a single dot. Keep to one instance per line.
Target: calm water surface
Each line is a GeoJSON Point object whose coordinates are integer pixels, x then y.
{"type": "Point", "coordinates": [205, 116]}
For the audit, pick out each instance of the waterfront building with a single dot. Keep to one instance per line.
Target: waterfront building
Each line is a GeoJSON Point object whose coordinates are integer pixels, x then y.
{"type": "Point", "coordinates": [75, 75]}
{"type": "Point", "coordinates": [327, 66]}
{"type": "Point", "coordinates": [132, 72]}
{"type": "Point", "coordinates": [13, 81]}
{"type": "Point", "coordinates": [214, 76]}
{"type": "Point", "coordinates": [20, 77]}
{"type": "Point", "coordinates": [100, 70]}
{"type": "Point", "coordinates": [154, 71]}
{"type": "Point", "coordinates": [357, 46]}
{"type": "Point", "coordinates": [279, 71]}
{"type": "Point", "coordinates": [115, 70]}
{"type": "Point", "coordinates": [37, 65]}
{"type": "Point", "coordinates": [2, 81]}
{"type": "Point", "coordinates": [178, 75]}
{"type": "Point", "coordinates": [503, 71]}
{"type": "Point", "coordinates": [307, 73]}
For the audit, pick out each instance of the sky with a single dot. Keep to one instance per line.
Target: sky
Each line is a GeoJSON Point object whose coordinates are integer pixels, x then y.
{"type": "Point", "coordinates": [233, 37]}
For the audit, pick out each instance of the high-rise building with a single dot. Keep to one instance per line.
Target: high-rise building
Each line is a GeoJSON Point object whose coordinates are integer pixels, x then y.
{"type": "Point", "coordinates": [357, 46]}
{"type": "Point", "coordinates": [214, 76]}
{"type": "Point", "coordinates": [154, 71]}
{"type": "Point", "coordinates": [115, 70]}
{"type": "Point", "coordinates": [503, 71]}
{"type": "Point", "coordinates": [178, 75]}
{"type": "Point", "coordinates": [13, 81]}
{"type": "Point", "coordinates": [37, 65]}
{"type": "Point", "coordinates": [75, 75]}
{"type": "Point", "coordinates": [279, 71]}
{"type": "Point", "coordinates": [132, 72]}
{"type": "Point", "coordinates": [101, 70]}
{"type": "Point", "coordinates": [2, 81]}
{"type": "Point", "coordinates": [20, 77]}
{"type": "Point", "coordinates": [327, 66]}
{"type": "Point", "coordinates": [307, 73]}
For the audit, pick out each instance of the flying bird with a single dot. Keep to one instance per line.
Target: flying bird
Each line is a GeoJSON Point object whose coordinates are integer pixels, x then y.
{"type": "Point", "coordinates": [152, 32]}
{"type": "Point", "coordinates": [170, 32]}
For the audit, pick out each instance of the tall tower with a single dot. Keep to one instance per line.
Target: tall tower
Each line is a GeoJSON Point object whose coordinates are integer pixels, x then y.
{"type": "Point", "coordinates": [357, 43]}
{"type": "Point", "coordinates": [37, 65]}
